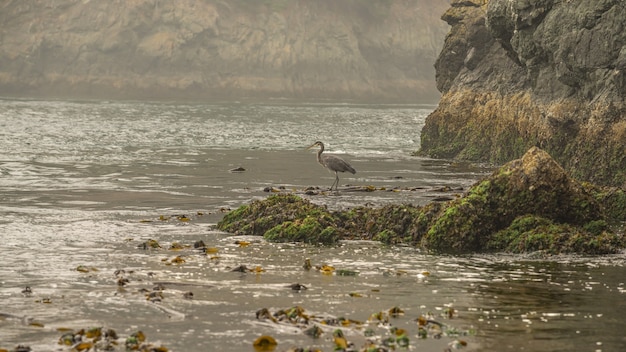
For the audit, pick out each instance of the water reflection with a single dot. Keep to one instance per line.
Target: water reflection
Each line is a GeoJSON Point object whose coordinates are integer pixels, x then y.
{"type": "Point", "coordinates": [503, 303]}
{"type": "Point", "coordinates": [550, 306]}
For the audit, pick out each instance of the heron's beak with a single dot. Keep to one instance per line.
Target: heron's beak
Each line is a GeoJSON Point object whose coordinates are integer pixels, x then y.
{"type": "Point", "coordinates": [314, 145]}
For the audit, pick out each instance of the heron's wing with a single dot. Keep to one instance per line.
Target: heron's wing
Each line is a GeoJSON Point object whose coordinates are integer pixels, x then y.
{"type": "Point", "coordinates": [337, 164]}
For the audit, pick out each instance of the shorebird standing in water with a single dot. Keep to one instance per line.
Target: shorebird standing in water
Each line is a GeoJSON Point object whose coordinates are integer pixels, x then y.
{"type": "Point", "coordinates": [332, 163]}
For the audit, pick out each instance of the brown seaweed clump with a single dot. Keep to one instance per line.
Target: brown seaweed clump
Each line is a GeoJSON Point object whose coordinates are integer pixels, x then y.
{"type": "Point", "coordinates": [528, 204]}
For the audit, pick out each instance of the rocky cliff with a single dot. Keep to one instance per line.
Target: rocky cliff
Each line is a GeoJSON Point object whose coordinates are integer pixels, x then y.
{"type": "Point", "coordinates": [521, 73]}
{"type": "Point", "coordinates": [212, 49]}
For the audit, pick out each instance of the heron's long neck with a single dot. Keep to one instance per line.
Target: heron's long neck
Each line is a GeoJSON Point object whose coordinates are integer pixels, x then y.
{"type": "Point", "coordinates": [319, 155]}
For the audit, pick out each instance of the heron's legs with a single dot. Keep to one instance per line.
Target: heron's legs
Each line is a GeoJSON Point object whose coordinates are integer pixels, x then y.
{"type": "Point", "coordinates": [336, 183]}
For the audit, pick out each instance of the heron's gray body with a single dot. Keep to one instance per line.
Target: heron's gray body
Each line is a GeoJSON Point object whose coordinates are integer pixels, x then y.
{"type": "Point", "coordinates": [332, 163]}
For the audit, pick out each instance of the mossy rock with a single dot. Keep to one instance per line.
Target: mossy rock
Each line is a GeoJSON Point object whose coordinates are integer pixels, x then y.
{"type": "Point", "coordinates": [464, 223]}
{"type": "Point", "coordinates": [611, 199]}
{"type": "Point", "coordinates": [386, 236]}
{"type": "Point", "coordinates": [390, 224]}
{"type": "Point", "coordinates": [533, 233]}
{"type": "Point", "coordinates": [395, 223]}
{"type": "Point", "coordinates": [283, 218]}
{"type": "Point", "coordinates": [308, 230]}
{"type": "Point", "coordinates": [262, 215]}
{"type": "Point", "coordinates": [532, 185]}
{"type": "Point", "coordinates": [537, 184]}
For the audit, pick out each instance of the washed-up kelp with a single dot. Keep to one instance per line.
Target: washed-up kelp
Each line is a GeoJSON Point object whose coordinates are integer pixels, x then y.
{"type": "Point", "coordinates": [529, 204]}
{"type": "Point", "coordinates": [379, 329]}
{"type": "Point", "coordinates": [104, 339]}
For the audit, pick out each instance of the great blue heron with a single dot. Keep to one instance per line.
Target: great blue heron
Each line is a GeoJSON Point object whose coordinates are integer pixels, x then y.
{"type": "Point", "coordinates": [332, 163]}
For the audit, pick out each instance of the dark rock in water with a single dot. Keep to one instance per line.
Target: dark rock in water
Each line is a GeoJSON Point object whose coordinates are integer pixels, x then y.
{"type": "Point", "coordinates": [528, 204]}
{"type": "Point", "coordinates": [315, 331]}
{"type": "Point", "coordinates": [237, 169]}
{"type": "Point", "coordinates": [298, 287]}
{"type": "Point", "coordinates": [264, 313]}
{"type": "Point", "coordinates": [199, 244]}
{"type": "Point", "coordinates": [22, 348]}
{"type": "Point", "coordinates": [241, 269]}
{"type": "Point", "coordinates": [27, 291]}
{"type": "Point", "coordinates": [516, 74]}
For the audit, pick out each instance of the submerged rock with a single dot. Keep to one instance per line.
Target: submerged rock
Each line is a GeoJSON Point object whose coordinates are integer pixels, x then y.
{"type": "Point", "coordinates": [528, 204]}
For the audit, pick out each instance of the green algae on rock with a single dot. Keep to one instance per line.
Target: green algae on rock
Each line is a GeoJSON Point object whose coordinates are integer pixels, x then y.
{"type": "Point", "coordinates": [527, 205]}
{"type": "Point", "coordinates": [311, 229]}
{"type": "Point", "coordinates": [390, 224]}
{"type": "Point", "coordinates": [611, 199]}
{"type": "Point", "coordinates": [283, 218]}
{"type": "Point", "coordinates": [534, 184]}
{"type": "Point", "coordinates": [530, 233]}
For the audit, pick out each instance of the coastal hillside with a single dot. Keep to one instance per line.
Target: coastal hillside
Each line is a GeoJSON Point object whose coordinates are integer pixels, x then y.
{"type": "Point", "coordinates": [381, 50]}
{"type": "Point", "coordinates": [516, 74]}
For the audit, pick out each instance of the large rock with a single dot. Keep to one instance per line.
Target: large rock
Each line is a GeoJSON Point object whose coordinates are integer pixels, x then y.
{"type": "Point", "coordinates": [534, 186]}
{"type": "Point", "coordinates": [547, 73]}
{"type": "Point", "coordinates": [190, 49]}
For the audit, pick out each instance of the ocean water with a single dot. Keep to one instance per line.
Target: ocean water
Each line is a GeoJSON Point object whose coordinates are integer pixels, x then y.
{"type": "Point", "coordinates": [83, 185]}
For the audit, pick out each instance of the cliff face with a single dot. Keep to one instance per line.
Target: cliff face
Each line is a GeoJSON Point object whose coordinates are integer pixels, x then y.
{"type": "Point", "coordinates": [197, 49]}
{"type": "Point", "coordinates": [547, 73]}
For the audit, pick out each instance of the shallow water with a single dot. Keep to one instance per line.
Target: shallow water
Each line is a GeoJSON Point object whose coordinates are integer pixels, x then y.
{"type": "Point", "coordinates": [85, 183]}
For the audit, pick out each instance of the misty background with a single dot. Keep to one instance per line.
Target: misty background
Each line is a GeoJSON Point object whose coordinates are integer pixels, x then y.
{"type": "Point", "coordinates": [209, 50]}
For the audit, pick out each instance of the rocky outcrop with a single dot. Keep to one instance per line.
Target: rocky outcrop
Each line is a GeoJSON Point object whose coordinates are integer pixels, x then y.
{"type": "Point", "coordinates": [529, 204]}
{"type": "Point", "coordinates": [190, 49]}
{"type": "Point", "coordinates": [517, 73]}
{"type": "Point", "coordinates": [534, 190]}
